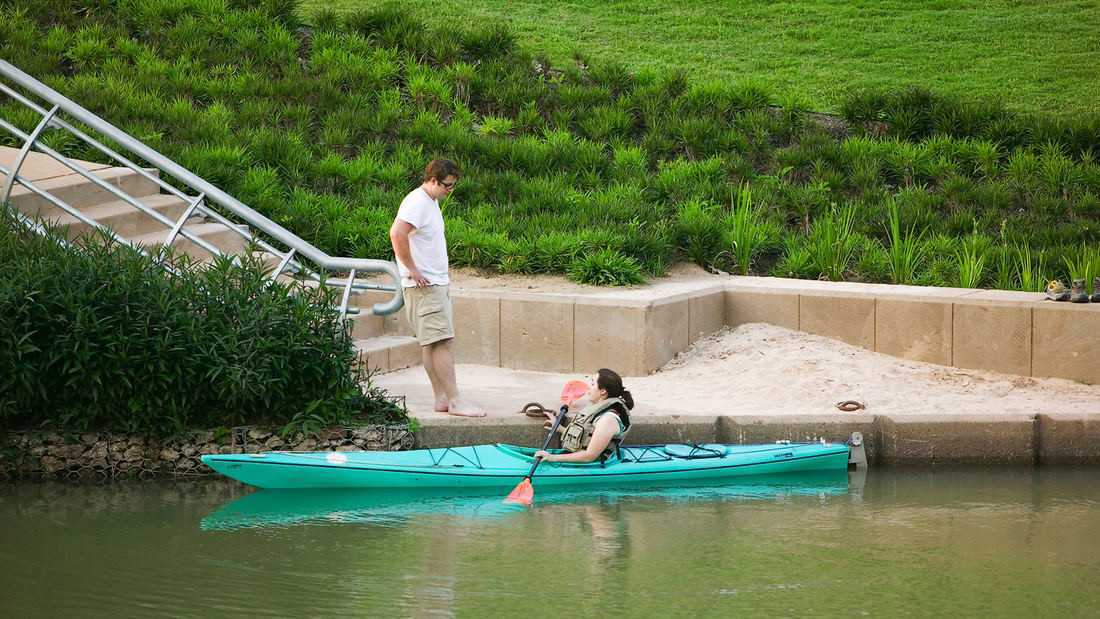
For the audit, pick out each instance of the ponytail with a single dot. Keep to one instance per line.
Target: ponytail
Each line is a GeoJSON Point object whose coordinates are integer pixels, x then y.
{"type": "Point", "coordinates": [612, 383]}
{"type": "Point", "coordinates": [629, 399]}
{"type": "Point", "coordinates": [624, 413]}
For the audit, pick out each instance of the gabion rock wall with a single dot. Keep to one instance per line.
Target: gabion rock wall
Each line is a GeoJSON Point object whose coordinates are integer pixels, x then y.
{"type": "Point", "coordinates": [99, 456]}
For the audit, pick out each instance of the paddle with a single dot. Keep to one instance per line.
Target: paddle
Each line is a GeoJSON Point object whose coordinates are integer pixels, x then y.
{"type": "Point", "coordinates": [524, 492]}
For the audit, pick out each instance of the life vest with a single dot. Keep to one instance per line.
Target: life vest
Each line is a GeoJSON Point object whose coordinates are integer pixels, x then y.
{"type": "Point", "coordinates": [578, 433]}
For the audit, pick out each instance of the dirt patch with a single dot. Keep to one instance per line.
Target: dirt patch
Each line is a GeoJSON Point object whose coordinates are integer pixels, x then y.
{"type": "Point", "coordinates": [475, 279]}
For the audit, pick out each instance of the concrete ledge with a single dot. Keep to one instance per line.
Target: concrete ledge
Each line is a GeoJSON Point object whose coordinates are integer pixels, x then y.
{"type": "Point", "coordinates": [458, 432]}
{"type": "Point", "coordinates": [890, 440]}
{"type": "Point", "coordinates": [706, 313]}
{"type": "Point", "coordinates": [956, 439]}
{"type": "Point", "coordinates": [391, 352]}
{"type": "Point", "coordinates": [663, 429]}
{"type": "Point", "coordinates": [750, 429]}
{"type": "Point", "coordinates": [520, 430]}
{"type": "Point", "coordinates": [78, 192]}
{"type": "Point", "coordinates": [1069, 438]}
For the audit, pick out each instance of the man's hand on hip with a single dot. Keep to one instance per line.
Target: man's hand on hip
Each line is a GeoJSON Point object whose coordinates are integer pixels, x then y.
{"type": "Point", "coordinates": [414, 274]}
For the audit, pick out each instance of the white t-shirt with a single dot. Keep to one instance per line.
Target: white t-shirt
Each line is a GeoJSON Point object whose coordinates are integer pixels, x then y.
{"type": "Point", "coordinates": [427, 243]}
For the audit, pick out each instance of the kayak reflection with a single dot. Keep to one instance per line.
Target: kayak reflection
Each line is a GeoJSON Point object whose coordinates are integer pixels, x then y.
{"type": "Point", "coordinates": [280, 508]}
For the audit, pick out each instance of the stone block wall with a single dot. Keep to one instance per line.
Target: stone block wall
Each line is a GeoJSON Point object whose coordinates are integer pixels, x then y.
{"type": "Point", "coordinates": [103, 456]}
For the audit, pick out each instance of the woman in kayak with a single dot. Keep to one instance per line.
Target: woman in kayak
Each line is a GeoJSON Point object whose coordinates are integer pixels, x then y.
{"type": "Point", "coordinates": [595, 432]}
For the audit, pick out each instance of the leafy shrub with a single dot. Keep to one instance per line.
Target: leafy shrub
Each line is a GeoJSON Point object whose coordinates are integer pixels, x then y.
{"type": "Point", "coordinates": [796, 261]}
{"type": "Point", "coordinates": [698, 232]}
{"type": "Point", "coordinates": [98, 336]}
{"type": "Point", "coordinates": [606, 267]}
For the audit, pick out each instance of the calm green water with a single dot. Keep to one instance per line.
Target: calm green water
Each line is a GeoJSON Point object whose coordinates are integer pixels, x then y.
{"type": "Point", "coordinates": [898, 543]}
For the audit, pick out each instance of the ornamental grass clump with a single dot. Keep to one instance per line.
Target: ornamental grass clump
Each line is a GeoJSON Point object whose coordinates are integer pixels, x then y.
{"type": "Point", "coordinates": [906, 250]}
{"type": "Point", "coordinates": [832, 244]}
{"type": "Point", "coordinates": [747, 233]}
{"type": "Point", "coordinates": [971, 256]}
{"type": "Point", "coordinates": [1029, 269]}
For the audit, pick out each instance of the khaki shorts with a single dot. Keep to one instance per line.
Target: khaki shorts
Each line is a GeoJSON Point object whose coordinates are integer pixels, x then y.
{"type": "Point", "coordinates": [428, 310]}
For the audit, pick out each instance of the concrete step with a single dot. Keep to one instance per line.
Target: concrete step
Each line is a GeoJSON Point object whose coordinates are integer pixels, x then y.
{"type": "Point", "coordinates": [126, 220]}
{"type": "Point", "coordinates": [40, 166]}
{"type": "Point", "coordinates": [370, 325]}
{"type": "Point", "coordinates": [365, 324]}
{"type": "Point", "coordinates": [388, 352]}
{"type": "Point", "coordinates": [79, 192]}
{"type": "Point", "coordinates": [218, 235]}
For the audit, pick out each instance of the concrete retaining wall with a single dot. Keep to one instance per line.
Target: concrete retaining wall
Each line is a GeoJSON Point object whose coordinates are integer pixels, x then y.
{"type": "Point", "coordinates": [638, 332]}
{"type": "Point", "coordinates": [995, 330]}
{"type": "Point", "coordinates": [891, 440]}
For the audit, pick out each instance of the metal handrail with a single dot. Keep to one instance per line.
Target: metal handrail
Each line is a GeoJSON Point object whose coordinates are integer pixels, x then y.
{"type": "Point", "coordinates": [32, 139]}
{"type": "Point", "coordinates": [297, 245]}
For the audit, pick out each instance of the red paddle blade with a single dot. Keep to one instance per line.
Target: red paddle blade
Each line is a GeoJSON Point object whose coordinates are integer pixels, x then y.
{"type": "Point", "coordinates": [573, 390]}
{"type": "Point", "coordinates": [522, 494]}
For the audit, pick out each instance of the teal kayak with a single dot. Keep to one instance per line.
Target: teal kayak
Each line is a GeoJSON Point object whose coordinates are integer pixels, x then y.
{"type": "Point", "coordinates": [503, 466]}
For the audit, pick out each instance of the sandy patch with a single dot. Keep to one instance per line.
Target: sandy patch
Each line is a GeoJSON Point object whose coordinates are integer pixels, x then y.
{"type": "Point", "coordinates": [764, 369]}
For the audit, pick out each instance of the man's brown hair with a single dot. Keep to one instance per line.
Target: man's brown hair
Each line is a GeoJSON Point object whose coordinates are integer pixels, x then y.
{"type": "Point", "coordinates": [440, 169]}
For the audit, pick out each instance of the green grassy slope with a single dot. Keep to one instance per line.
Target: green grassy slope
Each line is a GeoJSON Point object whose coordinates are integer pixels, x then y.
{"type": "Point", "coordinates": [1035, 56]}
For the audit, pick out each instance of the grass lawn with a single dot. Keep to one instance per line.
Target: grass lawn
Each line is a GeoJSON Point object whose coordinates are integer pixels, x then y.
{"type": "Point", "coordinates": [1034, 56]}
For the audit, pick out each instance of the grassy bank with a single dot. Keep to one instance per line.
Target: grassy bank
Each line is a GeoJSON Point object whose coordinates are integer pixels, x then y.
{"type": "Point", "coordinates": [1033, 56]}
{"type": "Point", "coordinates": [599, 172]}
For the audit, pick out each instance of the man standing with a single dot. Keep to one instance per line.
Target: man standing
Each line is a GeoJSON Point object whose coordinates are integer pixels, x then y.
{"type": "Point", "coordinates": [421, 250]}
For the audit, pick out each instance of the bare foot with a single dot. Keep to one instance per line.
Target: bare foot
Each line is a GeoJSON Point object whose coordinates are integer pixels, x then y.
{"type": "Point", "coordinates": [441, 406]}
{"type": "Point", "coordinates": [460, 409]}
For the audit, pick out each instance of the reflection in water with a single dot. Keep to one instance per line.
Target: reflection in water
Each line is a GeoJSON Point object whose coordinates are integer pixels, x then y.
{"type": "Point", "coordinates": [288, 507]}
{"type": "Point", "coordinates": [589, 524]}
{"type": "Point", "coordinates": [898, 543]}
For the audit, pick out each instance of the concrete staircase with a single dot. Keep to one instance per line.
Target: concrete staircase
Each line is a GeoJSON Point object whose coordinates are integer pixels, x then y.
{"type": "Point", "coordinates": [384, 341]}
